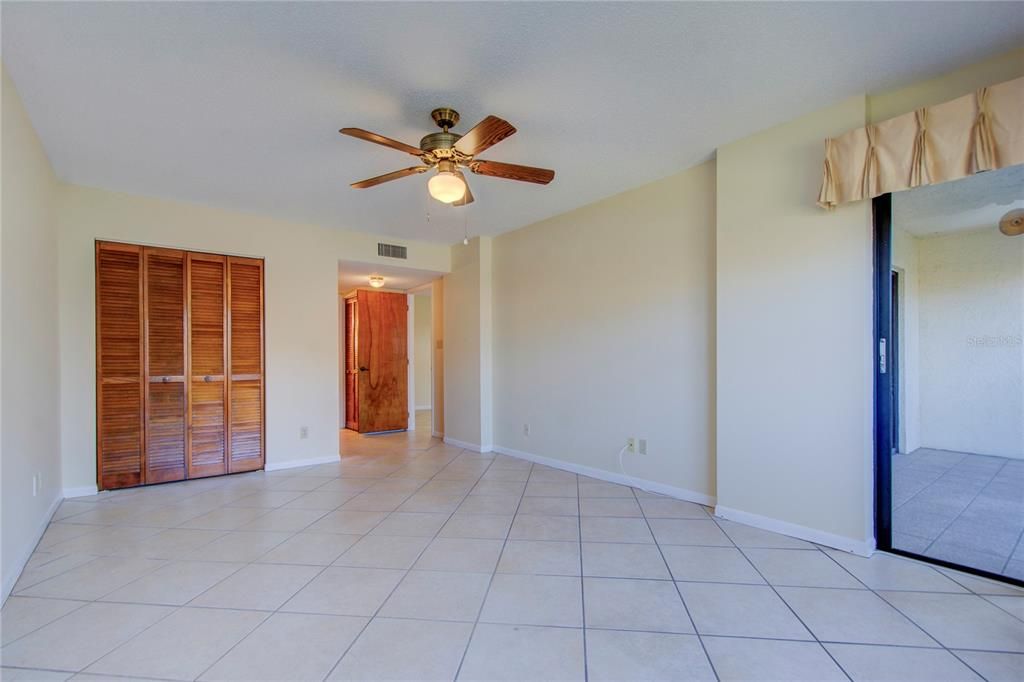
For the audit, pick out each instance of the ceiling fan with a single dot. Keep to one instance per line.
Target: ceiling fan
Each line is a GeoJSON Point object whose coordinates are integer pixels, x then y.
{"type": "Point", "coordinates": [447, 152]}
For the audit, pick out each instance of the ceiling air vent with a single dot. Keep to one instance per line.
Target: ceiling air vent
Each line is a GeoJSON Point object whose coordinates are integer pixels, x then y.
{"type": "Point", "coordinates": [391, 250]}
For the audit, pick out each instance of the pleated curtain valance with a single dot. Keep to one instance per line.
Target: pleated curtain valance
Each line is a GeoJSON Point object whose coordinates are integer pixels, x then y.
{"type": "Point", "coordinates": [977, 132]}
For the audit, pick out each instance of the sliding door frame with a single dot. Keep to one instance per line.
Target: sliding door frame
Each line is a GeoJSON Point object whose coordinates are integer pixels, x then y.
{"type": "Point", "coordinates": [885, 413]}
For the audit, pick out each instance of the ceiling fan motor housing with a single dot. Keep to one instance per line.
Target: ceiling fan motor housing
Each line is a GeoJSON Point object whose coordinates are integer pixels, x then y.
{"type": "Point", "coordinates": [436, 141]}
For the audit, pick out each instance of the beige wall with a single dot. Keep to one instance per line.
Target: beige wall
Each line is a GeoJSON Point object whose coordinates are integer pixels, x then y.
{"type": "Point", "coordinates": [422, 354]}
{"type": "Point", "coordinates": [794, 335]}
{"type": "Point", "coordinates": [468, 418]}
{"type": "Point", "coordinates": [904, 261]}
{"type": "Point", "coordinates": [971, 361]}
{"type": "Point", "coordinates": [603, 331]}
{"type": "Point", "coordinates": [795, 347]}
{"type": "Point", "coordinates": [302, 330]}
{"type": "Point", "coordinates": [890, 103]}
{"type": "Point", "coordinates": [437, 325]}
{"type": "Point", "coordinates": [30, 474]}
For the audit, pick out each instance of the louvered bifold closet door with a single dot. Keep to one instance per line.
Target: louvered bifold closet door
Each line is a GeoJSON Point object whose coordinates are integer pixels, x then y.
{"type": "Point", "coordinates": [245, 359]}
{"type": "Point", "coordinates": [119, 364]}
{"type": "Point", "coordinates": [207, 359]}
{"type": "Point", "coordinates": [164, 301]}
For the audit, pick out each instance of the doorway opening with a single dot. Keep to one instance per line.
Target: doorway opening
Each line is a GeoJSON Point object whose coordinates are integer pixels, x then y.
{"type": "Point", "coordinates": [949, 376]}
{"type": "Point", "coordinates": [390, 339]}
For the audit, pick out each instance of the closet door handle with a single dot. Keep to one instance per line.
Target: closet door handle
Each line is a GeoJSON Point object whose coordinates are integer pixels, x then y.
{"type": "Point", "coordinates": [207, 378]}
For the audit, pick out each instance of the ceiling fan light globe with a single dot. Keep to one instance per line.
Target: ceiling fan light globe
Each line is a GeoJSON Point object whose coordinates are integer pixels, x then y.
{"type": "Point", "coordinates": [446, 187]}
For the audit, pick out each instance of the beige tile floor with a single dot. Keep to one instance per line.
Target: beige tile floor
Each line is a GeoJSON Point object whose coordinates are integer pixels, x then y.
{"type": "Point", "coordinates": [412, 560]}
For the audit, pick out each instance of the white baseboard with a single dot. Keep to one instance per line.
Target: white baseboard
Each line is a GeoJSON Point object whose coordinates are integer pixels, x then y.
{"type": "Point", "coordinates": [859, 547]}
{"type": "Point", "coordinates": [423, 407]}
{"type": "Point", "coordinates": [83, 491]}
{"type": "Point", "coordinates": [468, 446]}
{"type": "Point", "coordinates": [26, 553]}
{"type": "Point", "coordinates": [612, 477]}
{"type": "Point", "coordinates": [295, 463]}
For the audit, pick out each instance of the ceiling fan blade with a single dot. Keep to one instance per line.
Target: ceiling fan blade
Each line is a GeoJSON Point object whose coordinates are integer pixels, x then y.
{"type": "Point", "coordinates": [468, 197]}
{"type": "Point", "coordinates": [484, 134]}
{"type": "Point", "coordinates": [511, 171]}
{"type": "Point", "coordinates": [380, 139]}
{"type": "Point", "coordinates": [373, 182]}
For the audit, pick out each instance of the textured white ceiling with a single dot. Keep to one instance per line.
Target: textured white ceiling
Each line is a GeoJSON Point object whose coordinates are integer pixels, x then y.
{"type": "Point", "coordinates": [238, 104]}
{"type": "Point", "coordinates": [973, 203]}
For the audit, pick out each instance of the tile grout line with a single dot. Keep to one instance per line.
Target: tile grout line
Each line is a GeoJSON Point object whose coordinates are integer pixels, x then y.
{"type": "Point", "coordinates": [583, 592]}
{"type": "Point", "coordinates": [965, 507]}
{"type": "Point", "coordinates": [180, 607]}
{"type": "Point", "coordinates": [908, 618]}
{"type": "Point", "coordinates": [177, 608]}
{"type": "Point", "coordinates": [934, 480]}
{"type": "Point", "coordinates": [394, 474]}
{"type": "Point", "coordinates": [413, 563]}
{"type": "Point", "coordinates": [675, 585]}
{"type": "Point", "coordinates": [307, 583]}
{"type": "Point", "coordinates": [490, 582]}
{"type": "Point", "coordinates": [782, 599]}
{"type": "Point", "coordinates": [1016, 546]}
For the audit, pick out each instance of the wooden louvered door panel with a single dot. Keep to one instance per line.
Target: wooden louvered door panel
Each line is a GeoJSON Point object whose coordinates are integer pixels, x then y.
{"type": "Point", "coordinates": [164, 301]}
{"type": "Point", "coordinates": [120, 450]}
{"type": "Point", "coordinates": [245, 360]}
{"type": "Point", "coordinates": [351, 370]}
{"type": "Point", "coordinates": [382, 355]}
{"type": "Point", "coordinates": [207, 360]}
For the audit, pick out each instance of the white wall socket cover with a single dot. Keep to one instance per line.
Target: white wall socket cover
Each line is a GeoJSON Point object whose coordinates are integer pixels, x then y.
{"type": "Point", "coordinates": [303, 432]}
{"type": "Point", "coordinates": [631, 445]}
{"type": "Point", "coordinates": [526, 429]}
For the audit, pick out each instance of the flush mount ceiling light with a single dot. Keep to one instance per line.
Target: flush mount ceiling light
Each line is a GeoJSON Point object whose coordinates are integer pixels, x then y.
{"type": "Point", "coordinates": [376, 281]}
{"type": "Point", "coordinates": [447, 151]}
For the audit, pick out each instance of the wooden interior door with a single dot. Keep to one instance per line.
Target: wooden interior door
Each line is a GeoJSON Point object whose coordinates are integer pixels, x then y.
{"type": "Point", "coordinates": [245, 360]}
{"type": "Point", "coordinates": [120, 447]}
{"type": "Point", "coordinates": [383, 361]}
{"type": "Point", "coordinates": [351, 369]}
{"type": "Point", "coordinates": [207, 360]}
{"type": "Point", "coordinates": [167, 394]}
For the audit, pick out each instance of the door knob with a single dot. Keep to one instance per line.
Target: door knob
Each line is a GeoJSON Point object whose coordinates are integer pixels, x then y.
{"type": "Point", "coordinates": [208, 378]}
{"type": "Point", "coordinates": [364, 369]}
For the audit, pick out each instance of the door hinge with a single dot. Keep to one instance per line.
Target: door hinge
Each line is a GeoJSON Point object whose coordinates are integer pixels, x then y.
{"type": "Point", "coordinates": [881, 356]}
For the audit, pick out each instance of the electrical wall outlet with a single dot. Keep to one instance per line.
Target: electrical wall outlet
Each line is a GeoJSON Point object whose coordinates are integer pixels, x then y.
{"type": "Point", "coordinates": [303, 432]}
{"type": "Point", "coordinates": [642, 447]}
{"type": "Point", "coordinates": [631, 445]}
{"type": "Point", "coordinates": [526, 429]}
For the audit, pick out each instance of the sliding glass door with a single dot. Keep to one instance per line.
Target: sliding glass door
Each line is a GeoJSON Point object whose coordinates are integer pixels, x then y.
{"type": "Point", "coordinates": [949, 371]}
